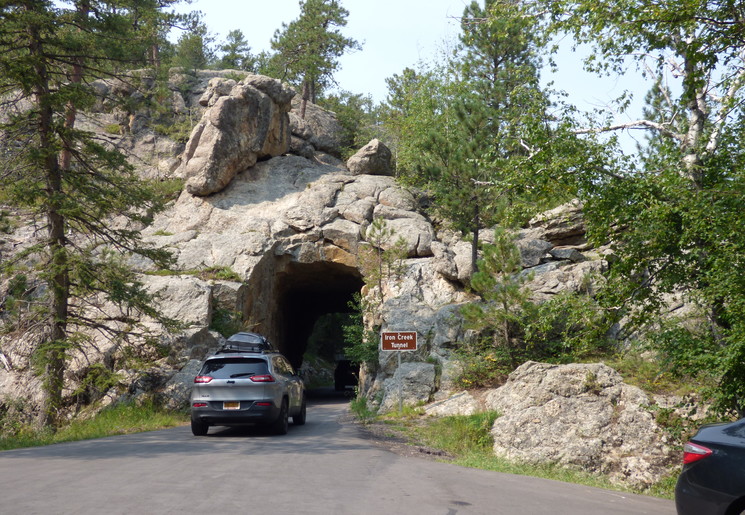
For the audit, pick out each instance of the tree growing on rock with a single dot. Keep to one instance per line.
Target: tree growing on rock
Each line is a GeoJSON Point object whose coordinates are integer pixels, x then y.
{"type": "Point", "coordinates": [381, 262]}
{"type": "Point", "coordinates": [486, 100]}
{"type": "Point", "coordinates": [308, 48]}
{"type": "Point", "coordinates": [68, 180]}
{"type": "Point", "coordinates": [501, 286]}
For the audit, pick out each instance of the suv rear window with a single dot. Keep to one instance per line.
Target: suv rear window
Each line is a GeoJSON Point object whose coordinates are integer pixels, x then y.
{"type": "Point", "coordinates": [227, 368]}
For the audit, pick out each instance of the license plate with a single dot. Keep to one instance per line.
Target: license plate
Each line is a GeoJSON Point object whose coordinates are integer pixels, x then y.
{"type": "Point", "coordinates": [231, 405]}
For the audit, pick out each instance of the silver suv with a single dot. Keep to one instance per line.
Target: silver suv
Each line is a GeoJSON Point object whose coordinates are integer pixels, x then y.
{"type": "Point", "coordinates": [247, 383]}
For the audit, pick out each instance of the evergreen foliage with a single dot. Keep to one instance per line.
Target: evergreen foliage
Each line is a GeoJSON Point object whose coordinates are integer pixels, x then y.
{"type": "Point", "coordinates": [358, 117]}
{"type": "Point", "coordinates": [236, 53]}
{"type": "Point", "coordinates": [462, 126]}
{"type": "Point", "coordinates": [307, 50]}
{"type": "Point", "coordinates": [67, 178]}
{"type": "Point", "coordinates": [194, 50]}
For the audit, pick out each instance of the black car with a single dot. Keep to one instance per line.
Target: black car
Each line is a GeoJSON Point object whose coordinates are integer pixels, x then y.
{"type": "Point", "coordinates": [713, 476]}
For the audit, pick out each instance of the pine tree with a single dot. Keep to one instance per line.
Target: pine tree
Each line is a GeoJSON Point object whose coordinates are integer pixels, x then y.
{"type": "Point", "coordinates": [193, 50]}
{"type": "Point", "coordinates": [489, 97]}
{"type": "Point", "coordinates": [236, 53]}
{"type": "Point", "coordinates": [65, 177]}
{"type": "Point", "coordinates": [308, 49]}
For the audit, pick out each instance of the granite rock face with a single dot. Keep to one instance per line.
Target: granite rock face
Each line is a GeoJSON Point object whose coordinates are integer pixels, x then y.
{"type": "Point", "coordinates": [583, 416]}
{"type": "Point", "coordinates": [244, 122]}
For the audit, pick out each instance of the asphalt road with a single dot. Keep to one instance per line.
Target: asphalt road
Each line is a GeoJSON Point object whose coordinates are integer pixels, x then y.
{"type": "Point", "coordinates": [325, 467]}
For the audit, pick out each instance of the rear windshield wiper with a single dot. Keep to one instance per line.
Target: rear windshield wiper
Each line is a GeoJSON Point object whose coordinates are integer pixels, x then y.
{"type": "Point", "coordinates": [244, 374]}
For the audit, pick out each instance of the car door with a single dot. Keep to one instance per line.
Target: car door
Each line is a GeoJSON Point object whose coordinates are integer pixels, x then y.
{"type": "Point", "coordinates": [293, 382]}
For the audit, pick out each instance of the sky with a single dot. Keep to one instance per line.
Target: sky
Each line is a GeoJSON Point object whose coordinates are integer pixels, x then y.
{"type": "Point", "coordinates": [394, 34]}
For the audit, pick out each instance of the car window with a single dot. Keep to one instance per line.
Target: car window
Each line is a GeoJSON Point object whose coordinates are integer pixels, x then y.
{"type": "Point", "coordinates": [227, 368]}
{"type": "Point", "coordinates": [282, 366]}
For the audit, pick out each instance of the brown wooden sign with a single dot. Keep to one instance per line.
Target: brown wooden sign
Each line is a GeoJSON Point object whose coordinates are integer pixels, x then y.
{"type": "Point", "coordinates": [398, 340]}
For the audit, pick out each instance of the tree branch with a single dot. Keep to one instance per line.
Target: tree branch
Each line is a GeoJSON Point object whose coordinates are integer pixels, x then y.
{"type": "Point", "coordinates": [637, 124]}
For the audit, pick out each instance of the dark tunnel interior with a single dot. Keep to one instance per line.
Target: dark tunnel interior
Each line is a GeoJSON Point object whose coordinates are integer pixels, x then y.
{"type": "Point", "coordinates": [307, 292]}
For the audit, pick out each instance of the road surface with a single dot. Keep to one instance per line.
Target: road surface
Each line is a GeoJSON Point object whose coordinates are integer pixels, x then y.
{"type": "Point", "coordinates": [325, 467]}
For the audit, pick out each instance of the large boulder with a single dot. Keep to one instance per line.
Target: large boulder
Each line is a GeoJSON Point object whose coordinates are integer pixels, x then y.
{"type": "Point", "coordinates": [248, 123]}
{"type": "Point", "coordinates": [317, 131]}
{"type": "Point", "coordinates": [580, 415]}
{"type": "Point", "coordinates": [374, 159]}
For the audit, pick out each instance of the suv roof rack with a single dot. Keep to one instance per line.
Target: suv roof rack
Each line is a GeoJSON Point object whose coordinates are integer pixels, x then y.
{"type": "Point", "coordinates": [243, 347]}
{"type": "Point", "coordinates": [246, 342]}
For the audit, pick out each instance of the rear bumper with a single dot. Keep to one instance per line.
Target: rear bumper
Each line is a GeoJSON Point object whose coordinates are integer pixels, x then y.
{"type": "Point", "coordinates": [249, 413]}
{"type": "Point", "coordinates": [695, 499]}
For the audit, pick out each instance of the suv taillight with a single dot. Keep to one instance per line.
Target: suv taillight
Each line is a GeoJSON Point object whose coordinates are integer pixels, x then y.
{"type": "Point", "coordinates": [267, 378]}
{"type": "Point", "coordinates": [202, 379]}
{"type": "Point", "coordinates": [693, 452]}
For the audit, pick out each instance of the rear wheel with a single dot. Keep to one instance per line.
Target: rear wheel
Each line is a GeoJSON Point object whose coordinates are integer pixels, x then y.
{"type": "Point", "coordinates": [199, 427]}
{"type": "Point", "coordinates": [299, 419]}
{"type": "Point", "coordinates": [280, 425]}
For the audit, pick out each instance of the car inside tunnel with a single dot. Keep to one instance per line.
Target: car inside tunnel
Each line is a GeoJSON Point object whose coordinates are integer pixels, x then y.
{"type": "Point", "coordinates": [305, 293]}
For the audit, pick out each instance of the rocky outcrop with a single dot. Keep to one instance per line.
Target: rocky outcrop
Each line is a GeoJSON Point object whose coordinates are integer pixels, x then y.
{"type": "Point", "coordinates": [244, 122]}
{"type": "Point", "coordinates": [317, 131]}
{"type": "Point", "coordinates": [462, 403]}
{"type": "Point", "coordinates": [374, 159]}
{"type": "Point", "coordinates": [580, 415]}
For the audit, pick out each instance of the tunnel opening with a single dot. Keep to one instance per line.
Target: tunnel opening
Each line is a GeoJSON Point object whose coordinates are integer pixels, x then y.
{"type": "Point", "coordinates": [313, 296]}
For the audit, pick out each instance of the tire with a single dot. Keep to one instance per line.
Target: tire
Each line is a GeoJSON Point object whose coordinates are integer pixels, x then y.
{"type": "Point", "coordinates": [198, 427]}
{"type": "Point", "coordinates": [299, 419]}
{"type": "Point", "coordinates": [280, 426]}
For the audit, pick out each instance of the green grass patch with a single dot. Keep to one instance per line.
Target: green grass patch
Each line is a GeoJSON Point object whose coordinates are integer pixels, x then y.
{"type": "Point", "coordinates": [650, 376]}
{"type": "Point", "coordinates": [168, 189]}
{"type": "Point", "coordinates": [115, 420]}
{"type": "Point", "coordinates": [212, 273]}
{"type": "Point", "coordinates": [219, 273]}
{"type": "Point", "coordinates": [460, 435]}
{"type": "Point", "coordinates": [362, 410]}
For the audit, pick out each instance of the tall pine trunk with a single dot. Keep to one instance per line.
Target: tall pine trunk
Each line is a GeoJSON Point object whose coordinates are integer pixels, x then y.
{"type": "Point", "coordinates": [54, 354]}
{"type": "Point", "coordinates": [475, 239]}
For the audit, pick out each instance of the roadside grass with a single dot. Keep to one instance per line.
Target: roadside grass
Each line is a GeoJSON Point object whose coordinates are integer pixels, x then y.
{"type": "Point", "coordinates": [115, 420]}
{"type": "Point", "coordinates": [466, 441]}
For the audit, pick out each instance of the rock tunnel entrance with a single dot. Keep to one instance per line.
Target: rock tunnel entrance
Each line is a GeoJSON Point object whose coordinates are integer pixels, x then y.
{"type": "Point", "coordinates": [304, 292]}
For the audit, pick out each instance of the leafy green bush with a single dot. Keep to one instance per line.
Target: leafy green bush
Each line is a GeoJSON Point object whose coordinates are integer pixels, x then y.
{"type": "Point", "coordinates": [568, 327]}
{"type": "Point", "coordinates": [7, 222]}
{"type": "Point", "coordinates": [97, 380]}
{"type": "Point", "coordinates": [168, 189]}
{"type": "Point", "coordinates": [113, 128]}
{"type": "Point", "coordinates": [482, 364]}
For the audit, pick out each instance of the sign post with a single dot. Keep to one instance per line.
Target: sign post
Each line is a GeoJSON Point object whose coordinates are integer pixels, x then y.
{"type": "Point", "coordinates": [400, 341]}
